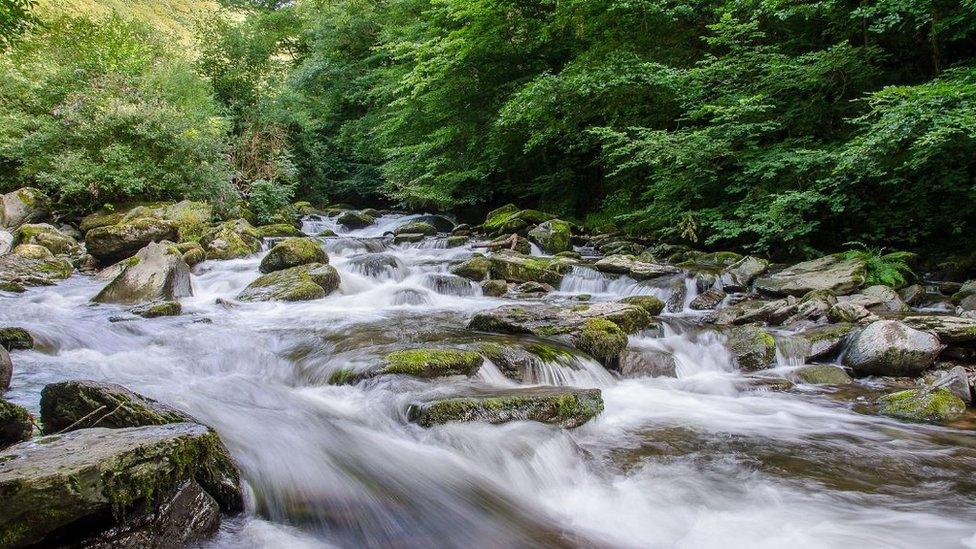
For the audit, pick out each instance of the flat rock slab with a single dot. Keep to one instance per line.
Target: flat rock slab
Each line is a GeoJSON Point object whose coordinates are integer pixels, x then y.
{"type": "Point", "coordinates": [549, 320]}
{"type": "Point", "coordinates": [832, 272]}
{"type": "Point", "coordinates": [553, 405]}
{"type": "Point", "coordinates": [949, 329]}
{"type": "Point", "coordinates": [84, 404]}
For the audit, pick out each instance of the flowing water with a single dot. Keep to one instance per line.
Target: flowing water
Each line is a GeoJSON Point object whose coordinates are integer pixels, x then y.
{"type": "Point", "coordinates": [707, 457]}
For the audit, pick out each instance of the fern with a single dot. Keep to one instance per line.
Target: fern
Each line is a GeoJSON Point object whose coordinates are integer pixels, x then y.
{"type": "Point", "coordinates": [887, 269]}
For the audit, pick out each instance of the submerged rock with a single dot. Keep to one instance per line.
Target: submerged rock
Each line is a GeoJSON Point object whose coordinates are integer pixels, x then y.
{"type": "Point", "coordinates": [302, 283]}
{"type": "Point", "coordinates": [377, 264]}
{"type": "Point", "coordinates": [231, 240]}
{"type": "Point", "coordinates": [123, 470]}
{"type": "Point", "coordinates": [15, 426]}
{"type": "Point", "coordinates": [923, 405]}
{"type": "Point", "coordinates": [157, 309]}
{"type": "Point", "coordinates": [891, 348]}
{"type": "Point", "coordinates": [407, 238]}
{"type": "Point", "coordinates": [831, 272]}
{"type": "Point", "coordinates": [475, 268]}
{"type": "Point", "coordinates": [515, 267]}
{"type": "Point", "coordinates": [15, 338]}
{"type": "Point", "coordinates": [156, 273]}
{"type": "Point", "coordinates": [558, 406]}
{"type": "Point", "coordinates": [25, 205]}
{"type": "Point", "coordinates": [49, 237]}
{"type": "Point", "coordinates": [552, 236]}
{"type": "Point", "coordinates": [112, 243]}
{"type": "Point", "coordinates": [822, 374]}
{"type": "Point", "coordinates": [431, 363]}
{"type": "Point", "coordinates": [292, 252]}
{"type": "Point", "coordinates": [751, 347]}
{"type": "Point", "coordinates": [84, 404]}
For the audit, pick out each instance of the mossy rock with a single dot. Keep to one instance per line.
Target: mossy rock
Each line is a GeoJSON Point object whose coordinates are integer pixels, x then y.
{"type": "Point", "coordinates": [752, 347]}
{"type": "Point", "coordinates": [116, 242]}
{"type": "Point", "coordinates": [292, 252]}
{"type": "Point", "coordinates": [553, 236]}
{"type": "Point", "coordinates": [602, 339]}
{"type": "Point", "coordinates": [564, 407]}
{"type": "Point", "coordinates": [18, 272]}
{"type": "Point", "coordinates": [497, 217]}
{"type": "Point", "coordinates": [515, 267]}
{"type": "Point", "coordinates": [43, 234]}
{"type": "Point", "coordinates": [159, 309]}
{"type": "Point", "coordinates": [494, 288]}
{"type": "Point", "coordinates": [15, 338]}
{"type": "Point", "coordinates": [156, 273]}
{"type": "Point", "coordinates": [33, 251]}
{"type": "Point", "coordinates": [416, 227]}
{"type": "Point", "coordinates": [16, 425]}
{"type": "Point", "coordinates": [456, 241]}
{"type": "Point", "coordinates": [826, 341]}
{"type": "Point", "coordinates": [923, 405]}
{"type": "Point", "coordinates": [355, 220]}
{"type": "Point", "coordinates": [431, 363]}
{"type": "Point", "coordinates": [231, 240]}
{"type": "Point", "coordinates": [279, 230]}
{"type": "Point", "coordinates": [404, 238]}
{"type": "Point", "coordinates": [822, 374]}
{"type": "Point", "coordinates": [302, 283]}
{"type": "Point", "coordinates": [891, 348]}
{"type": "Point", "coordinates": [475, 268]}
{"type": "Point", "coordinates": [327, 233]}
{"type": "Point", "coordinates": [649, 303]}
{"type": "Point", "coordinates": [194, 256]}
{"type": "Point", "coordinates": [71, 405]}
{"type": "Point", "coordinates": [25, 205]}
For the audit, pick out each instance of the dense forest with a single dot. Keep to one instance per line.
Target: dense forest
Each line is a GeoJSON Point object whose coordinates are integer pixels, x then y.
{"type": "Point", "coordinates": [781, 127]}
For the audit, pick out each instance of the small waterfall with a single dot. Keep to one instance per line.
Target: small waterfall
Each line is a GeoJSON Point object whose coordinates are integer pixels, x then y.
{"type": "Point", "coordinates": [568, 370]}
{"type": "Point", "coordinates": [791, 351]}
{"type": "Point", "coordinates": [490, 374]}
{"type": "Point", "coordinates": [535, 250]}
{"type": "Point", "coordinates": [381, 266]}
{"type": "Point", "coordinates": [584, 280]}
{"type": "Point", "coordinates": [448, 284]}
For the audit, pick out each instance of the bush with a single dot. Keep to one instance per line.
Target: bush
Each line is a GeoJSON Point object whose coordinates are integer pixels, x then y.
{"type": "Point", "coordinates": [888, 269]}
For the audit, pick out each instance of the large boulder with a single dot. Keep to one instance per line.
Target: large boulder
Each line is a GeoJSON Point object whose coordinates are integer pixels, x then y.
{"type": "Point", "coordinates": [43, 234]}
{"type": "Point", "coordinates": [891, 348]}
{"type": "Point", "coordinates": [554, 405]}
{"type": "Point", "coordinates": [883, 298]}
{"type": "Point", "coordinates": [279, 230]}
{"type": "Point", "coordinates": [602, 339]}
{"type": "Point", "coordinates": [553, 236]}
{"type": "Point", "coordinates": [738, 276]}
{"type": "Point", "coordinates": [515, 267]}
{"type": "Point", "coordinates": [292, 252]}
{"type": "Point", "coordinates": [949, 329]}
{"type": "Point", "coordinates": [6, 242]}
{"type": "Point", "coordinates": [302, 283]}
{"type": "Point", "coordinates": [923, 405]}
{"type": "Point", "coordinates": [93, 481]}
{"type": "Point", "coordinates": [190, 218]}
{"type": "Point", "coordinates": [6, 370]}
{"type": "Point", "coordinates": [475, 268]}
{"type": "Point", "coordinates": [966, 291]}
{"type": "Point", "coordinates": [631, 266]}
{"type": "Point", "coordinates": [510, 219]}
{"type": "Point", "coordinates": [15, 426]}
{"type": "Point", "coordinates": [751, 347]}
{"type": "Point", "coordinates": [156, 273]}
{"type": "Point", "coordinates": [826, 341]}
{"type": "Point", "coordinates": [112, 243]}
{"type": "Point", "coordinates": [550, 320]}
{"type": "Point", "coordinates": [25, 205]}
{"type": "Point", "coordinates": [18, 271]}
{"type": "Point", "coordinates": [416, 227]}
{"type": "Point", "coordinates": [833, 272]}
{"type": "Point", "coordinates": [652, 304]}
{"type": "Point", "coordinates": [441, 223]}
{"type": "Point", "coordinates": [231, 240]}
{"type": "Point", "coordinates": [822, 374]}
{"type": "Point", "coordinates": [355, 220]}
{"type": "Point", "coordinates": [82, 404]}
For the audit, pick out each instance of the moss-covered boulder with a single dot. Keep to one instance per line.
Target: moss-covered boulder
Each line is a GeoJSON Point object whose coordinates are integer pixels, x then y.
{"type": "Point", "coordinates": [550, 320]}
{"type": "Point", "coordinates": [43, 234]}
{"type": "Point", "coordinates": [633, 267]}
{"type": "Point", "coordinates": [112, 243]}
{"type": "Point", "coordinates": [158, 309]}
{"type": "Point", "coordinates": [416, 227]}
{"type": "Point", "coordinates": [279, 230]}
{"type": "Point", "coordinates": [822, 374]}
{"type": "Point", "coordinates": [18, 271]}
{"type": "Point", "coordinates": [564, 407]}
{"type": "Point", "coordinates": [456, 241]}
{"type": "Point", "coordinates": [325, 233]}
{"type": "Point", "coordinates": [292, 252]}
{"type": "Point", "coordinates": [195, 256]}
{"type": "Point", "coordinates": [15, 338]}
{"type": "Point", "coordinates": [826, 341]}
{"type": "Point", "coordinates": [516, 267]}
{"type": "Point", "coordinates": [923, 405]}
{"type": "Point", "coordinates": [82, 404]}
{"type": "Point", "coordinates": [602, 339]}
{"type": "Point", "coordinates": [891, 348]}
{"type": "Point", "coordinates": [231, 240]}
{"type": "Point", "coordinates": [497, 217]}
{"type": "Point", "coordinates": [494, 288]}
{"type": "Point", "coordinates": [25, 205]}
{"type": "Point", "coordinates": [553, 236]}
{"type": "Point", "coordinates": [96, 480]}
{"type": "Point", "coordinates": [190, 218]}
{"type": "Point", "coordinates": [355, 220]}
{"type": "Point", "coordinates": [405, 238]}
{"type": "Point", "coordinates": [751, 347]}
{"type": "Point", "coordinates": [965, 290]}
{"type": "Point", "coordinates": [475, 268]}
{"type": "Point", "coordinates": [738, 276]}
{"type": "Point", "coordinates": [649, 303]}
{"type": "Point", "coordinates": [15, 426]}
{"type": "Point", "coordinates": [33, 251]}
{"type": "Point", "coordinates": [157, 273]}
{"type": "Point", "coordinates": [949, 329]}
{"type": "Point", "coordinates": [431, 363]}
{"type": "Point", "coordinates": [833, 272]}
{"type": "Point", "coordinates": [302, 283]}
{"type": "Point", "coordinates": [6, 370]}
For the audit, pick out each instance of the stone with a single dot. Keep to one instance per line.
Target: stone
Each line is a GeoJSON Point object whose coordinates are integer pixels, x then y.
{"type": "Point", "coordinates": [43, 234]}
{"type": "Point", "coordinates": [439, 222]}
{"type": "Point", "coordinates": [33, 251]}
{"type": "Point", "coordinates": [15, 426]}
{"type": "Point", "coordinates": [6, 370]}
{"type": "Point", "coordinates": [448, 284]}
{"type": "Point", "coordinates": [112, 243]}
{"type": "Point", "coordinates": [431, 363]}
{"type": "Point", "coordinates": [822, 374]}
{"type": "Point", "coordinates": [833, 272]}
{"type": "Point", "coordinates": [602, 339]}
{"type": "Point", "coordinates": [83, 404]}
{"type": "Point", "coordinates": [92, 478]}
{"type": "Point", "coordinates": [17, 271]}
{"type": "Point", "coordinates": [826, 341]}
{"type": "Point", "coordinates": [327, 233]}
{"type": "Point", "coordinates": [738, 276]}
{"type": "Point", "coordinates": [635, 363]}
{"type": "Point", "coordinates": [494, 288]}
{"type": "Point", "coordinates": [302, 283]}
{"type": "Point", "coordinates": [416, 227]}
{"type": "Point", "coordinates": [462, 229]}
{"type": "Point", "coordinates": [292, 252]}
{"type": "Point", "coordinates": [891, 348]}
{"type": "Point", "coordinates": [955, 379]}
{"type": "Point", "coordinates": [355, 220]}
{"type": "Point", "coordinates": [25, 205]}
{"type": "Point", "coordinates": [913, 295]}
{"type": "Point", "coordinates": [551, 320]}
{"type": "Point", "coordinates": [629, 265]}
{"type": "Point", "coordinates": [533, 289]}
{"type": "Point", "coordinates": [923, 405]}
{"type": "Point", "coordinates": [515, 267]}
{"type": "Point", "coordinates": [194, 256]}
{"type": "Point", "coordinates": [6, 242]}
{"type": "Point", "coordinates": [377, 265]}
{"type": "Point", "coordinates": [509, 219]}
{"type": "Point", "coordinates": [751, 347]}
{"type": "Point", "coordinates": [405, 238]}
{"type": "Point", "coordinates": [552, 236]}
{"type": "Point", "coordinates": [949, 329]}
{"type": "Point", "coordinates": [887, 298]}
{"type": "Point", "coordinates": [456, 241]}
{"type": "Point", "coordinates": [815, 304]}
{"type": "Point", "coordinates": [231, 240]}
{"type": "Point", "coordinates": [279, 230]}
{"type": "Point", "coordinates": [709, 262]}
{"type": "Point", "coordinates": [158, 309]}
{"type": "Point", "coordinates": [653, 305]}
{"type": "Point", "coordinates": [850, 312]}
{"type": "Point", "coordinates": [189, 217]}
{"type": "Point", "coordinates": [709, 299]}
{"type": "Point", "coordinates": [965, 290]}
{"type": "Point", "coordinates": [565, 407]}
{"type": "Point", "coordinates": [157, 273]}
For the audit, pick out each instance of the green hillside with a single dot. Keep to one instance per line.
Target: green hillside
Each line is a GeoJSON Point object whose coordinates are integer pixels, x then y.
{"type": "Point", "coordinates": [175, 17]}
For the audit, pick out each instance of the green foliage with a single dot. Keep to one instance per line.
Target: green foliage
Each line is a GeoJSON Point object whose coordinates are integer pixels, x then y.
{"type": "Point", "coordinates": [267, 199]}
{"type": "Point", "coordinates": [888, 269]}
{"type": "Point", "coordinates": [16, 17]}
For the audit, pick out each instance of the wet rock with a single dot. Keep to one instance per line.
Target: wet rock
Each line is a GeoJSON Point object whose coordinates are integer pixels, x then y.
{"type": "Point", "coordinates": [552, 236]}
{"type": "Point", "coordinates": [629, 265]}
{"type": "Point", "coordinates": [709, 262]}
{"type": "Point", "coordinates": [649, 303]}
{"type": "Point", "coordinates": [456, 241]}
{"type": "Point", "coordinates": [158, 309]}
{"type": "Point", "coordinates": [550, 320]}
{"type": "Point", "coordinates": [826, 341]}
{"type": "Point", "coordinates": [377, 264]}
{"type": "Point", "coordinates": [410, 296]}
{"type": "Point", "coordinates": [6, 242]}
{"type": "Point", "coordinates": [404, 238]}
{"type": "Point", "coordinates": [494, 288]}
{"type": "Point", "coordinates": [738, 276]}
{"type": "Point", "coordinates": [231, 240]}
{"type": "Point", "coordinates": [644, 363]}
{"type": "Point", "coordinates": [158, 273]}
{"type": "Point", "coordinates": [557, 406]}
{"type": "Point", "coordinates": [43, 234]}
{"type": "Point", "coordinates": [955, 379]}
{"type": "Point", "coordinates": [887, 299]}
{"type": "Point", "coordinates": [462, 229]}
{"type": "Point", "coordinates": [15, 338]}
{"type": "Point", "coordinates": [448, 284]}
{"type": "Point", "coordinates": [833, 272]}
{"type": "Point", "coordinates": [327, 233]}
{"type": "Point", "coordinates": [751, 347]}
{"type": "Point", "coordinates": [355, 220]}
{"type": "Point", "coordinates": [20, 271]}
{"type": "Point", "coordinates": [515, 267]}
{"type": "Point", "coordinates": [850, 312]}
{"type": "Point", "coordinates": [602, 339]}
{"type": "Point", "coordinates": [749, 311]}
{"type": "Point", "coordinates": [302, 283]}
{"type": "Point", "coordinates": [512, 361]}
{"type": "Point", "coordinates": [189, 217]}
{"type": "Point", "coordinates": [122, 469]}
{"type": "Point", "coordinates": [949, 329]}
{"type": "Point", "coordinates": [475, 268]}
{"type": "Point", "coordinates": [441, 223]}
{"type": "Point", "coordinates": [822, 374]}
{"type": "Point", "coordinates": [923, 405]}
{"type": "Point", "coordinates": [913, 295]}
{"type": "Point", "coordinates": [965, 290]}
{"type": "Point", "coordinates": [279, 230]}
{"type": "Point", "coordinates": [707, 300]}
{"type": "Point", "coordinates": [416, 227]}
{"type": "Point", "coordinates": [83, 404]}
{"type": "Point", "coordinates": [533, 289]}
{"type": "Point", "coordinates": [25, 205]}
{"type": "Point", "coordinates": [891, 348]}
{"type": "Point", "coordinates": [6, 370]}
{"type": "Point", "coordinates": [570, 254]}
{"type": "Point", "coordinates": [512, 242]}
{"type": "Point", "coordinates": [15, 426]}
{"type": "Point", "coordinates": [33, 251]}
{"type": "Point", "coordinates": [194, 256]}
{"type": "Point", "coordinates": [509, 219]}
{"type": "Point", "coordinates": [116, 242]}
{"type": "Point", "coordinates": [292, 252]}
{"type": "Point", "coordinates": [431, 363]}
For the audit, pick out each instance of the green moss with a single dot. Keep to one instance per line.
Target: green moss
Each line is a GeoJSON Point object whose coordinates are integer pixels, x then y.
{"type": "Point", "coordinates": [934, 406]}
{"type": "Point", "coordinates": [278, 230]}
{"type": "Point", "coordinates": [649, 303]}
{"type": "Point", "coordinates": [16, 338]}
{"type": "Point", "coordinates": [602, 339]}
{"type": "Point", "coordinates": [496, 218]}
{"type": "Point", "coordinates": [430, 363]}
{"type": "Point", "coordinates": [343, 376]}
{"type": "Point", "coordinates": [565, 407]}
{"type": "Point", "coordinates": [548, 353]}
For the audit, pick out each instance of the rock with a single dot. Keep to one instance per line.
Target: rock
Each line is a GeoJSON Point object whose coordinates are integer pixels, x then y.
{"type": "Point", "coordinates": [33, 251]}
{"type": "Point", "coordinates": [833, 272]}
{"type": "Point", "coordinates": [826, 341]}
{"type": "Point", "coordinates": [645, 363]}
{"type": "Point", "coordinates": [628, 264]}
{"type": "Point", "coordinates": [83, 404]}
{"type": "Point", "coordinates": [15, 426]}
{"type": "Point", "coordinates": [815, 304]}
{"type": "Point", "coordinates": [738, 276]}
{"type": "Point", "coordinates": [292, 252]}
{"type": "Point", "coordinates": [46, 235]}
{"type": "Point", "coordinates": [550, 320]}
{"type": "Point", "coordinates": [570, 254]}
{"type": "Point", "coordinates": [955, 380]}
{"type": "Point", "coordinates": [189, 217]}
{"type": "Point", "coordinates": [553, 236]}
{"type": "Point", "coordinates": [372, 212]}
{"type": "Point", "coordinates": [6, 370]}
{"type": "Point", "coordinates": [462, 229]}
{"type": "Point", "coordinates": [557, 406]}
{"type": "Point", "coordinates": [751, 347]}
{"type": "Point", "coordinates": [448, 284]}
{"type": "Point", "coordinates": [157, 309]}
{"type": "Point", "coordinates": [327, 233]}
{"type": "Point", "coordinates": [404, 238]}
{"type": "Point", "coordinates": [968, 303]}
{"type": "Point", "coordinates": [533, 289]}
{"type": "Point", "coordinates": [913, 295]}
{"type": "Point", "coordinates": [649, 303]}
{"type": "Point", "coordinates": [279, 230]}
{"type": "Point", "coordinates": [850, 312]}
{"type": "Point", "coordinates": [416, 227]}
{"type": "Point", "coordinates": [121, 469]}
{"type": "Point", "coordinates": [494, 288]}
{"type": "Point", "coordinates": [891, 348]}
{"type": "Point", "coordinates": [116, 242]}
{"type": "Point", "coordinates": [601, 339]}
{"type": "Point", "coordinates": [709, 262]}
{"type": "Point", "coordinates": [158, 273]}
{"type": "Point", "coordinates": [923, 405]}
{"type": "Point", "coordinates": [19, 271]}
{"type": "Point", "coordinates": [456, 241]}
{"type": "Point", "coordinates": [496, 217]}
{"type": "Point", "coordinates": [888, 299]}
{"type": "Point", "coordinates": [6, 242]}
{"type": "Point", "coordinates": [707, 300]}
{"type": "Point", "coordinates": [822, 374]}
{"type": "Point", "coordinates": [377, 265]}
{"type": "Point", "coordinates": [194, 256]}
{"type": "Point", "coordinates": [965, 290]}
{"type": "Point", "coordinates": [355, 220]}
{"type": "Point", "coordinates": [25, 205]}
{"type": "Point", "coordinates": [304, 208]}
{"type": "Point", "coordinates": [302, 283]}
{"type": "Point", "coordinates": [515, 267]}
{"type": "Point", "coordinates": [504, 243]}
{"type": "Point", "coordinates": [509, 219]}
{"type": "Point", "coordinates": [231, 240]}
{"type": "Point", "coordinates": [15, 338]}
{"type": "Point", "coordinates": [439, 222]}
{"type": "Point", "coordinates": [431, 363]}
{"type": "Point", "coordinates": [949, 329]}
